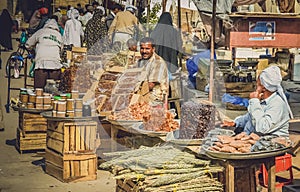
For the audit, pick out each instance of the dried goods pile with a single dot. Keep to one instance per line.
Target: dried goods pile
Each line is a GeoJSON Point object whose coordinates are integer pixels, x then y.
{"type": "Point", "coordinates": [75, 78]}
{"type": "Point", "coordinates": [135, 111]}
{"type": "Point", "coordinates": [160, 120]}
{"type": "Point", "coordinates": [243, 143]}
{"type": "Point", "coordinates": [174, 170]}
{"type": "Point", "coordinates": [197, 118]}
{"type": "Point", "coordinates": [154, 119]}
{"type": "Point", "coordinates": [105, 87]}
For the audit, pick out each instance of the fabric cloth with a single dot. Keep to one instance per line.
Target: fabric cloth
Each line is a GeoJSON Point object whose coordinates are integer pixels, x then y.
{"type": "Point", "coordinates": [35, 19]}
{"type": "Point", "coordinates": [125, 22]}
{"type": "Point", "coordinates": [95, 33]}
{"type": "Point", "coordinates": [157, 72]}
{"type": "Point", "coordinates": [271, 79]}
{"type": "Point", "coordinates": [5, 29]}
{"type": "Point", "coordinates": [168, 41]}
{"type": "Point", "coordinates": [222, 6]}
{"type": "Point", "coordinates": [73, 30]}
{"type": "Point", "coordinates": [85, 18]}
{"type": "Point", "coordinates": [286, 6]}
{"type": "Point", "coordinates": [267, 117]}
{"type": "Point", "coordinates": [41, 76]}
{"type": "Point", "coordinates": [47, 42]}
{"type": "Point", "coordinates": [109, 19]}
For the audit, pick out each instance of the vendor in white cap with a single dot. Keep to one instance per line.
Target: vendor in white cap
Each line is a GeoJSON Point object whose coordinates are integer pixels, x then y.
{"type": "Point", "coordinates": [268, 111]}
{"type": "Point", "coordinates": [124, 26]}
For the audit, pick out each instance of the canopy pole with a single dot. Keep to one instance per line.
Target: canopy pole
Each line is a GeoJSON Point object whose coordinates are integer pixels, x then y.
{"type": "Point", "coordinates": [212, 53]}
{"type": "Point", "coordinates": [179, 27]}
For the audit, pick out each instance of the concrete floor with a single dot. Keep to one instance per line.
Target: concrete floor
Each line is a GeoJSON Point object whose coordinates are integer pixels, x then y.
{"type": "Point", "coordinates": [25, 172]}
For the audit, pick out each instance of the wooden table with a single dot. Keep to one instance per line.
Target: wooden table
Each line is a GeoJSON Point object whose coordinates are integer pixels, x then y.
{"type": "Point", "coordinates": [246, 165]}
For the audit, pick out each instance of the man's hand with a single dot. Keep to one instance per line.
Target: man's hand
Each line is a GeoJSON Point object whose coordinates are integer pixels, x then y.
{"type": "Point", "coordinates": [228, 124]}
{"type": "Point", "coordinates": [151, 85]}
{"type": "Point", "coordinates": [256, 94]}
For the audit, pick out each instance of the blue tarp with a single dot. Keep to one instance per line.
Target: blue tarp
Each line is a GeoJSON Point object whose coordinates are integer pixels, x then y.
{"type": "Point", "coordinates": [193, 65]}
{"type": "Point", "coordinates": [227, 98]}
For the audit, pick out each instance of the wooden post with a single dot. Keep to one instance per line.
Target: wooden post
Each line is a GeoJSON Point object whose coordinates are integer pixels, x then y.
{"type": "Point", "coordinates": [229, 177]}
{"type": "Point", "coordinates": [164, 4]}
{"type": "Point", "coordinates": [212, 51]}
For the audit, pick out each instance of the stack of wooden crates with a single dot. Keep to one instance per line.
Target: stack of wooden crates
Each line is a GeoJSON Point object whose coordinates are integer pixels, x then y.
{"type": "Point", "coordinates": [31, 133]}
{"type": "Point", "coordinates": [70, 153]}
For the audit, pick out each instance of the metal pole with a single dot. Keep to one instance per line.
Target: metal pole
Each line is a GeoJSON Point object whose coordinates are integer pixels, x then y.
{"type": "Point", "coordinates": [148, 19]}
{"type": "Point", "coordinates": [179, 26]}
{"type": "Point", "coordinates": [212, 51]}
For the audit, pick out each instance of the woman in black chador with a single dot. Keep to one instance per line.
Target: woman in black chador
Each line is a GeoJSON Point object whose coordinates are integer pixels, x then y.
{"type": "Point", "coordinates": [5, 30]}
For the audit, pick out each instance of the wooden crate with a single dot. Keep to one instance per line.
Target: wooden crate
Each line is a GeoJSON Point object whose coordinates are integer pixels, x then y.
{"type": "Point", "coordinates": [30, 141]}
{"type": "Point", "coordinates": [32, 122]}
{"type": "Point", "coordinates": [69, 137]}
{"type": "Point", "coordinates": [238, 87]}
{"type": "Point", "coordinates": [73, 167]}
{"type": "Point", "coordinates": [126, 186]}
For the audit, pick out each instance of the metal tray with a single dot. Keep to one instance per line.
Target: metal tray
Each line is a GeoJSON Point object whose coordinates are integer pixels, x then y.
{"type": "Point", "coordinates": [123, 122]}
{"type": "Point", "coordinates": [48, 115]}
{"type": "Point", "coordinates": [187, 142]}
{"type": "Point", "coordinates": [22, 109]}
{"type": "Point", "coordinates": [242, 156]}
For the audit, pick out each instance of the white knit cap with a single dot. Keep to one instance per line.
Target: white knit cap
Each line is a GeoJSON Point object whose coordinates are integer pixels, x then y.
{"type": "Point", "coordinates": [271, 79]}
{"type": "Point", "coordinates": [130, 8]}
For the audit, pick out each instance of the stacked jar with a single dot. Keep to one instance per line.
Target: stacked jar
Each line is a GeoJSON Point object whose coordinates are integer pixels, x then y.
{"type": "Point", "coordinates": [78, 107]}
{"type": "Point", "coordinates": [36, 100]}
{"type": "Point", "coordinates": [68, 106]}
{"type": "Point", "coordinates": [24, 97]}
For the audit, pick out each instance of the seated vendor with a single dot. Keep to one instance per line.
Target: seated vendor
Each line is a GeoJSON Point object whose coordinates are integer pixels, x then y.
{"type": "Point", "coordinates": [156, 72]}
{"type": "Point", "coordinates": [268, 111]}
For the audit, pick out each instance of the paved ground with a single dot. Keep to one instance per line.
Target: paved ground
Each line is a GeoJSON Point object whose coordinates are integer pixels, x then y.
{"type": "Point", "coordinates": [25, 172]}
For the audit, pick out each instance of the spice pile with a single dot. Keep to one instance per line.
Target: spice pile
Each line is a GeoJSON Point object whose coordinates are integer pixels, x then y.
{"type": "Point", "coordinates": [154, 119]}
{"type": "Point", "coordinates": [76, 78]}
{"type": "Point", "coordinates": [174, 170]}
{"type": "Point", "coordinates": [197, 118]}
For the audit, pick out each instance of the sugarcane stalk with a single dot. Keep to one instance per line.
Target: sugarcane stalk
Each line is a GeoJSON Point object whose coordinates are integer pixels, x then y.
{"type": "Point", "coordinates": [175, 178]}
{"type": "Point", "coordinates": [172, 171]}
{"type": "Point", "coordinates": [131, 175]}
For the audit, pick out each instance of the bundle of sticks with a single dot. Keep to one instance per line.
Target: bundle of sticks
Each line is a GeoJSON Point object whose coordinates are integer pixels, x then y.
{"type": "Point", "coordinates": [174, 170]}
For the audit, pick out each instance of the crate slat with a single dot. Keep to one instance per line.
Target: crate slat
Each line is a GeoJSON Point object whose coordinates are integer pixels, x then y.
{"type": "Point", "coordinates": [30, 141]}
{"type": "Point", "coordinates": [71, 167]}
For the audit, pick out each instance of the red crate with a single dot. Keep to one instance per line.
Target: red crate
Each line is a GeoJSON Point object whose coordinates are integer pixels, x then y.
{"type": "Point", "coordinates": [282, 163]}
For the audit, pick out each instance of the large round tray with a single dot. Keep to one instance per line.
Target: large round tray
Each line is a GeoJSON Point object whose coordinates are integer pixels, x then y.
{"type": "Point", "coordinates": [22, 109]}
{"type": "Point", "coordinates": [187, 142]}
{"type": "Point", "coordinates": [123, 122]}
{"type": "Point", "coordinates": [243, 156]}
{"type": "Point", "coordinates": [48, 115]}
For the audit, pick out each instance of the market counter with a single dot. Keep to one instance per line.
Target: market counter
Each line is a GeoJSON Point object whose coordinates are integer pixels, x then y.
{"type": "Point", "coordinates": [240, 168]}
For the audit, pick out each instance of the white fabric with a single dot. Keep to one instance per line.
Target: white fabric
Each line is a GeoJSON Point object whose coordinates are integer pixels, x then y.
{"type": "Point", "coordinates": [73, 33]}
{"type": "Point", "coordinates": [101, 8]}
{"type": "Point", "coordinates": [69, 12]}
{"type": "Point", "coordinates": [47, 42]}
{"type": "Point", "coordinates": [86, 18]}
{"type": "Point", "coordinates": [271, 79]}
